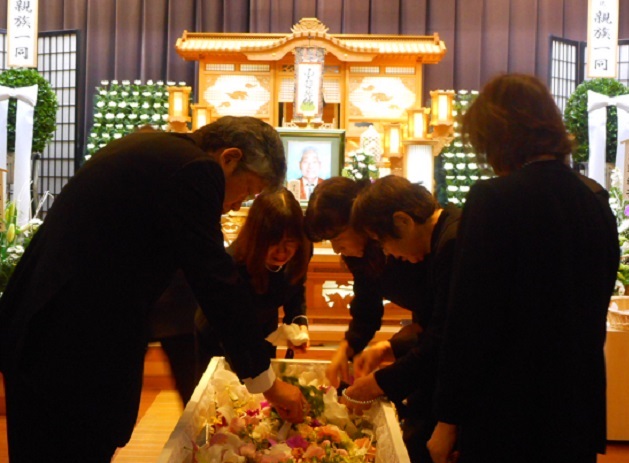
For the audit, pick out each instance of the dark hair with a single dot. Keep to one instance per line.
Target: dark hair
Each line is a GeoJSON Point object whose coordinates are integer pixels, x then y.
{"type": "Point", "coordinates": [272, 216]}
{"type": "Point", "coordinates": [374, 208]}
{"type": "Point", "coordinates": [330, 206]}
{"type": "Point", "coordinates": [513, 120]}
{"type": "Point", "coordinates": [262, 148]}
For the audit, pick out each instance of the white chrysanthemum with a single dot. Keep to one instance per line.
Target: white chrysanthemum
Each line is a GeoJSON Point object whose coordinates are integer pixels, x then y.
{"type": "Point", "coordinates": [119, 126]}
{"type": "Point", "coordinates": [156, 117]}
{"type": "Point", "coordinates": [149, 82]}
{"type": "Point", "coordinates": [372, 167]}
{"type": "Point", "coordinates": [106, 135]}
{"type": "Point", "coordinates": [452, 188]}
{"type": "Point", "coordinates": [136, 93]}
{"type": "Point", "coordinates": [146, 93]}
{"type": "Point", "coordinates": [117, 135]}
{"type": "Point", "coordinates": [100, 104]}
{"type": "Point", "coordinates": [448, 166]}
{"type": "Point", "coordinates": [458, 144]}
{"type": "Point", "coordinates": [109, 116]}
{"type": "Point", "coordinates": [90, 146]}
{"type": "Point", "coordinates": [144, 117]}
{"type": "Point", "coordinates": [122, 104]}
{"type": "Point", "coordinates": [449, 155]}
{"type": "Point", "coordinates": [97, 124]}
{"type": "Point", "coordinates": [103, 92]}
{"type": "Point", "coordinates": [120, 116]}
{"type": "Point", "coordinates": [461, 165]}
{"type": "Point", "coordinates": [126, 82]}
{"type": "Point", "coordinates": [114, 82]}
{"type": "Point", "coordinates": [472, 165]}
{"type": "Point", "coordinates": [104, 82]}
{"type": "Point", "coordinates": [134, 104]}
{"type": "Point", "coordinates": [164, 117]}
{"type": "Point", "coordinates": [133, 116]}
{"type": "Point", "coordinates": [160, 82]}
{"type": "Point", "coordinates": [464, 188]}
{"type": "Point", "coordinates": [113, 93]}
{"type": "Point", "coordinates": [170, 83]}
{"type": "Point", "coordinates": [358, 175]}
{"type": "Point", "coordinates": [137, 82]}
{"type": "Point", "coordinates": [624, 226]}
{"type": "Point", "coordinates": [157, 105]}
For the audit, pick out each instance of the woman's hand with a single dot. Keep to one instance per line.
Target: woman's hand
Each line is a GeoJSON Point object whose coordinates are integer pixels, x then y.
{"type": "Point", "coordinates": [302, 348]}
{"type": "Point", "coordinates": [442, 443]}
{"type": "Point", "coordinates": [288, 400]}
{"type": "Point", "coordinates": [338, 370]}
{"type": "Point", "coordinates": [359, 396]}
{"type": "Point", "coordinates": [370, 358]}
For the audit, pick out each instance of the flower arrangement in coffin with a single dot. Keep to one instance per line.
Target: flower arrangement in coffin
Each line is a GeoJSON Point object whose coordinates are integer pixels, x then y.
{"type": "Point", "coordinates": [245, 429]}
{"type": "Point", "coordinates": [13, 242]}
{"type": "Point", "coordinates": [620, 208]}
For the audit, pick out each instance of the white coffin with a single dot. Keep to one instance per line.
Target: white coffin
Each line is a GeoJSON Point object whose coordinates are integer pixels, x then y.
{"type": "Point", "coordinates": [390, 446]}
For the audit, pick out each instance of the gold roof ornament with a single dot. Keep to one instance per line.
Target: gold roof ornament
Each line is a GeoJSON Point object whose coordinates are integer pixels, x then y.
{"type": "Point", "coordinates": [428, 49]}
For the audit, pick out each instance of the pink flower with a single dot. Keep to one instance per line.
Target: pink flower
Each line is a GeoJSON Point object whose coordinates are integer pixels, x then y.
{"type": "Point", "coordinates": [313, 451]}
{"type": "Point", "coordinates": [237, 425]}
{"type": "Point", "coordinates": [329, 431]}
{"type": "Point", "coordinates": [297, 441]}
{"type": "Point", "coordinates": [248, 450]}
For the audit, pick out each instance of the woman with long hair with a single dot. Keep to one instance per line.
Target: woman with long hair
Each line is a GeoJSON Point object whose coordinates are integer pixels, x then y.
{"type": "Point", "coordinates": [272, 254]}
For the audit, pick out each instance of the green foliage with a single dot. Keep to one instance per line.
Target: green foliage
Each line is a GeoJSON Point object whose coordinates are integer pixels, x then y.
{"type": "Point", "coordinates": [576, 116]}
{"type": "Point", "coordinates": [122, 107]}
{"type": "Point", "coordinates": [361, 165]}
{"type": "Point", "coordinates": [13, 242]}
{"type": "Point", "coordinates": [45, 117]}
{"type": "Point", "coordinates": [457, 169]}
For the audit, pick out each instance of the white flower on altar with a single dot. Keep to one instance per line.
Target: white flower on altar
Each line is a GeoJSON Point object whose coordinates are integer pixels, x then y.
{"type": "Point", "coordinates": [117, 135]}
{"type": "Point", "coordinates": [109, 116]}
{"type": "Point", "coordinates": [144, 117]}
{"type": "Point", "coordinates": [156, 117]}
{"type": "Point", "coordinates": [133, 116]}
{"type": "Point", "coordinates": [122, 104]}
{"type": "Point", "coordinates": [126, 82]}
{"type": "Point", "coordinates": [137, 82]}
{"type": "Point", "coordinates": [100, 104]}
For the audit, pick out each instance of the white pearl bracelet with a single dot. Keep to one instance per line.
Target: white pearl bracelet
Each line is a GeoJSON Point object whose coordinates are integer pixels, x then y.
{"type": "Point", "coordinates": [357, 402]}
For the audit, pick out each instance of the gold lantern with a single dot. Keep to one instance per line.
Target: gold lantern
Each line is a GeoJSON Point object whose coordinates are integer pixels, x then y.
{"type": "Point", "coordinates": [200, 116]}
{"type": "Point", "coordinates": [178, 111]}
{"type": "Point", "coordinates": [418, 123]}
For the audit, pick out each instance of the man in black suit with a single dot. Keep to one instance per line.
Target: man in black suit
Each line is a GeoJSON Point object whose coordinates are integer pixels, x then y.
{"type": "Point", "coordinates": [73, 320]}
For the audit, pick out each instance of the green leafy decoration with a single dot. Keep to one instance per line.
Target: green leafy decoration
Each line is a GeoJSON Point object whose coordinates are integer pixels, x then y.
{"type": "Point", "coordinates": [457, 170]}
{"type": "Point", "coordinates": [45, 117]}
{"type": "Point", "coordinates": [122, 107]}
{"type": "Point", "coordinates": [576, 116]}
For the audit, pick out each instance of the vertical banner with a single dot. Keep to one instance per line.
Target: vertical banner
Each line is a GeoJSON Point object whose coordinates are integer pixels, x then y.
{"type": "Point", "coordinates": [22, 33]}
{"type": "Point", "coordinates": [602, 42]}
{"type": "Point", "coordinates": [625, 171]}
{"type": "Point", "coordinates": [309, 82]}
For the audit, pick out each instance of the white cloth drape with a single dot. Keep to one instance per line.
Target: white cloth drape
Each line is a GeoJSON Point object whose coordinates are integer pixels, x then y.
{"type": "Point", "coordinates": [597, 131]}
{"type": "Point", "coordinates": [26, 101]}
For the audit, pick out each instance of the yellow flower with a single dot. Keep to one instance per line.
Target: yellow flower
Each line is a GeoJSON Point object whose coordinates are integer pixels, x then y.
{"type": "Point", "coordinates": [11, 233]}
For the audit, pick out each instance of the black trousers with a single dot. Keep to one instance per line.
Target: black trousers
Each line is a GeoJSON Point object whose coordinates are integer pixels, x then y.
{"type": "Point", "coordinates": [36, 432]}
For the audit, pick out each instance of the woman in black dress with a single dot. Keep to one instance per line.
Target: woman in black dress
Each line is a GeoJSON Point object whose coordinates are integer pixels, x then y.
{"type": "Point", "coordinates": [272, 254]}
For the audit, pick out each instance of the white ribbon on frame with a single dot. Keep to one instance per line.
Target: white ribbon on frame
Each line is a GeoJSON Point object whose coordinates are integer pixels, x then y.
{"type": "Point", "coordinates": [597, 132]}
{"type": "Point", "coordinates": [26, 101]}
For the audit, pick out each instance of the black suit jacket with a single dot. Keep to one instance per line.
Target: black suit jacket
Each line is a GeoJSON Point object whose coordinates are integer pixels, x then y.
{"type": "Point", "coordinates": [523, 369]}
{"type": "Point", "coordinates": [73, 320]}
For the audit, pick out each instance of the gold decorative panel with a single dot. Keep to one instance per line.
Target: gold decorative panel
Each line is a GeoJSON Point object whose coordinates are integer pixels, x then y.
{"type": "Point", "coordinates": [239, 95]}
{"type": "Point", "coordinates": [380, 97]}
